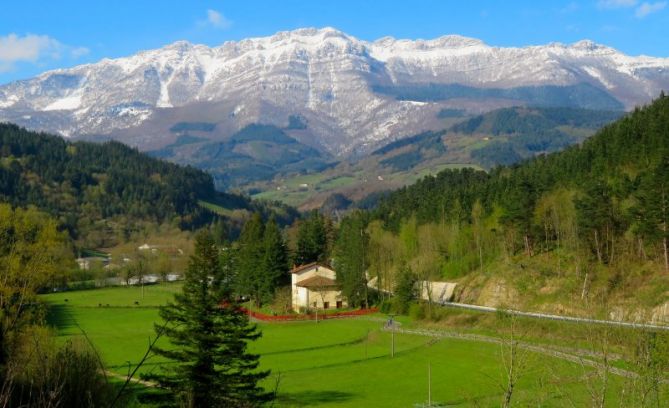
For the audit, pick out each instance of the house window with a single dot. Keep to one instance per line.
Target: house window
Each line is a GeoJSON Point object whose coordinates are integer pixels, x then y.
{"type": "Point", "coordinates": [326, 305]}
{"type": "Point", "coordinates": [339, 305]}
{"type": "Point", "coordinates": [315, 304]}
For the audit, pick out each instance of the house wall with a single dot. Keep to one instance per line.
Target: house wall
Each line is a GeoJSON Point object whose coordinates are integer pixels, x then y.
{"type": "Point", "coordinates": [303, 298]}
{"type": "Point", "coordinates": [300, 297]}
{"type": "Point", "coordinates": [331, 296]}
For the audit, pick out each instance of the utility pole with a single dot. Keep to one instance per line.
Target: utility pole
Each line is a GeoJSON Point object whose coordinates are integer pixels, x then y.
{"type": "Point", "coordinates": [392, 350]}
{"type": "Point", "coordinates": [429, 385]}
{"type": "Point", "coordinates": [391, 323]}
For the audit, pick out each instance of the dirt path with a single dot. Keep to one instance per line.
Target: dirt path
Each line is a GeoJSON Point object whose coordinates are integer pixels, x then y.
{"type": "Point", "coordinates": [132, 380]}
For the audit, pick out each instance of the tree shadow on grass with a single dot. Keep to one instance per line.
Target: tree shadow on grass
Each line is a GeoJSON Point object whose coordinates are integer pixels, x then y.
{"type": "Point", "coordinates": [312, 398]}
{"type": "Point", "coordinates": [60, 317]}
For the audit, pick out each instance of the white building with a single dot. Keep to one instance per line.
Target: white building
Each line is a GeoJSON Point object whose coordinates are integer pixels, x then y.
{"type": "Point", "coordinates": [315, 286]}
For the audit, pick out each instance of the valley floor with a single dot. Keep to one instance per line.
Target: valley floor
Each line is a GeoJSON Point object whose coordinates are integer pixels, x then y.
{"type": "Point", "coordinates": [348, 363]}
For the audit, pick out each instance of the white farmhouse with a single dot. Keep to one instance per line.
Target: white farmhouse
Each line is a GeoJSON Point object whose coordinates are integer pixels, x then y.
{"type": "Point", "coordinates": [314, 286]}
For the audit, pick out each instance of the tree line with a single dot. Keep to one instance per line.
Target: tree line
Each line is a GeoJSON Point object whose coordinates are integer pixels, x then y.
{"type": "Point", "coordinates": [35, 370]}
{"type": "Point", "coordinates": [103, 193]}
{"type": "Point", "coordinates": [603, 202]}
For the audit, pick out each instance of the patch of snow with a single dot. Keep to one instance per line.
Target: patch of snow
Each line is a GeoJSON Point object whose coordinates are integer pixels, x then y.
{"type": "Point", "coordinates": [595, 73]}
{"type": "Point", "coordinates": [164, 98]}
{"type": "Point", "coordinates": [416, 103]}
{"type": "Point", "coordinates": [67, 103]}
{"type": "Point", "coordinates": [10, 101]}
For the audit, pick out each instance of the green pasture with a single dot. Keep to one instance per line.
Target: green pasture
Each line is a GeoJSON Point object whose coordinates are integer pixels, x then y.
{"type": "Point", "coordinates": [220, 210]}
{"type": "Point", "coordinates": [337, 362]}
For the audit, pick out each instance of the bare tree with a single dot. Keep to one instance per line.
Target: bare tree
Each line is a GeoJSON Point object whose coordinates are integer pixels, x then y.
{"type": "Point", "coordinates": [514, 356]}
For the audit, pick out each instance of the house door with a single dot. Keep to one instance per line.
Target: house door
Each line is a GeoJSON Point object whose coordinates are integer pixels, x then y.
{"type": "Point", "coordinates": [339, 304]}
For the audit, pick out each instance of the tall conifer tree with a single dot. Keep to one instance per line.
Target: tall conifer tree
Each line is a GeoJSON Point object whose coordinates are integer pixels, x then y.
{"type": "Point", "coordinates": [275, 260]}
{"type": "Point", "coordinates": [312, 240]}
{"type": "Point", "coordinates": [209, 337]}
{"type": "Point", "coordinates": [351, 259]}
{"type": "Point", "coordinates": [250, 258]}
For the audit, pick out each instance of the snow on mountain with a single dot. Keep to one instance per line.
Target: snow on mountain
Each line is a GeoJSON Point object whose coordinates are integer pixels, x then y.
{"type": "Point", "coordinates": [351, 93]}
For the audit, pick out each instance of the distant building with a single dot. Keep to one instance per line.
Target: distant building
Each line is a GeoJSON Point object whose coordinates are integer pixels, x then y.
{"type": "Point", "coordinates": [85, 263]}
{"type": "Point", "coordinates": [439, 292]}
{"type": "Point", "coordinates": [169, 250]}
{"type": "Point", "coordinates": [314, 286]}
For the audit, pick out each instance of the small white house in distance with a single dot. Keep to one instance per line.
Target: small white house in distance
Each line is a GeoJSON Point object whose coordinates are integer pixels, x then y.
{"type": "Point", "coordinates": [439, 292]}
{"type": "Point", "coordinates": [86, 263]}
{"type": "Point", "coordinates": [315, 286]}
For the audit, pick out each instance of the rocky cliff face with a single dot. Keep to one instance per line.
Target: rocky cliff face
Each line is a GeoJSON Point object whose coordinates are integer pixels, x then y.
{"type": "Point", "coordinates": [352, 95]}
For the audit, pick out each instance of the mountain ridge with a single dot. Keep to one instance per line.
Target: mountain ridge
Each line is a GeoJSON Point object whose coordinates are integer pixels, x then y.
{"type": "Point", "coordinates": [324, 75]}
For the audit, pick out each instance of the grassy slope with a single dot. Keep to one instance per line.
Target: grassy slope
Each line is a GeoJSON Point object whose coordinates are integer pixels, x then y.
{"type": "Point", "coordinates": [355, 181]}
{"type": "Point", "coordinates": [469, 142]}
{"type": "Point", "coordinates": [332, 363]}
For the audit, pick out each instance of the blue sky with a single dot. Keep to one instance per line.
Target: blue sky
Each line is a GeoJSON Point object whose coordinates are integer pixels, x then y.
{"type": "Point", "coordinates": [39, 35]}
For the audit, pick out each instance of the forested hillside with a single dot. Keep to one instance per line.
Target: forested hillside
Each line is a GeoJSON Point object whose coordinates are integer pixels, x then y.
{"type": "Point", "coordinates": [105, 188]}
{"type": "Point", "coordinates": [500, 137]}
{"type": "Point", "coordinates": [256, 152]}
{"type": "Point", "coordinates": [594, 215]}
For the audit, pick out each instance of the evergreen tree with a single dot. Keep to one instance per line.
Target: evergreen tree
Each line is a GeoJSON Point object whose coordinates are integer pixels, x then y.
{"type": "Point", "coordinates": [405, 289]}
{"type": "Point", "coordinates": [652, 210]}
{"type": "Point", "coordinates": [250, 259]}
{"type": "Point", "coordinates": [312, 245]}
{"type": "Point", "coordinates": [219, 231]}
{"type": "Point", "coordinates": [519, 207]}
{"type": "Point", "coordinates": [597, 219]}
{"type": "Point", "coordinates": [209, 336]}
{"type": "Point", "coordinates": [351, 260]}
{"type": "Point", "coordinates": [275, 261]}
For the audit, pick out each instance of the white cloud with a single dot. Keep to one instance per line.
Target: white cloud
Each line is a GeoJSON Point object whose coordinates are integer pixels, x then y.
{"type": "Point", "coordinates": [614, 4]}
{"type": "Point", "coordinates": [217, 20]}
{"type": "Point", "coordinates": [78, 52]}
{"type": "Point", "coordinates": [33, 48]}
{"type": "Point", "coordinates": [641, 11]}
{"type": "Point", "coordinates": [30, 48]}
{"type": "Point", "coordinates": [648, 8]}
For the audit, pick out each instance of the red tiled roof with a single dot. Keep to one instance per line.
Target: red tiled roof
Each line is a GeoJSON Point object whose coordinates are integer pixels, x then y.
{"type": "Point", "coordinates": [317, 282]}
{"type": "Point", "coordinates": [301, 268]}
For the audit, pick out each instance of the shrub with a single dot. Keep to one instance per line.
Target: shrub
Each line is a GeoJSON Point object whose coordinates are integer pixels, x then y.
{"type": "Point", "coordinates": [417, 311]}
{"type": "Point", "coordinates": [49, 375]}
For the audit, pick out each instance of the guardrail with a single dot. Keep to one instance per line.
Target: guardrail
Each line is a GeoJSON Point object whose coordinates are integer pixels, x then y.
{"type": "Point", "coordinates": [555, 317]}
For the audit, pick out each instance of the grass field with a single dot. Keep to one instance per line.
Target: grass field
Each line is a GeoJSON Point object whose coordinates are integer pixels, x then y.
{"type": "Point", "coordinates": [343, 363]}
{"type": "Point", "coordinates": [215, 208]}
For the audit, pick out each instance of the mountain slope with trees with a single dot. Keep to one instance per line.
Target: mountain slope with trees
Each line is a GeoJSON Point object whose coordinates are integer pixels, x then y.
{"type": "Point", "coordinates": [587, 223]}
{"type": "Point", "coordinates": [102, 193]}
{"type": "Point", "coordinates": [503, 136]}
{"type": "Point", "coordinates": [256, 152]}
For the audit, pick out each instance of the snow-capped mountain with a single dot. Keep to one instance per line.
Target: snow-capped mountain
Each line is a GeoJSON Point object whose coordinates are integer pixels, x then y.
{"type": "Point", "coordinates": [351, 94]}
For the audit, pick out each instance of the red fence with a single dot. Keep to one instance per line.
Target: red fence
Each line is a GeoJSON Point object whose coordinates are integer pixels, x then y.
{"type": "Point", "coordinates": [309, 316]}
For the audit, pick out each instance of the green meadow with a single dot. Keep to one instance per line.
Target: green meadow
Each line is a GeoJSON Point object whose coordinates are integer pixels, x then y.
{"type": "Point", "coordinates": [337, 362]}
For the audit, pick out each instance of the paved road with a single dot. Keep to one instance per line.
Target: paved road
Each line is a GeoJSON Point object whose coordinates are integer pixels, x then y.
{"type": "Point", "coordinates": [556, 317]}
